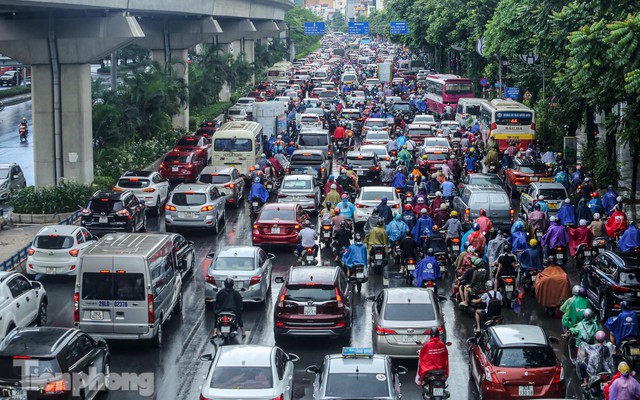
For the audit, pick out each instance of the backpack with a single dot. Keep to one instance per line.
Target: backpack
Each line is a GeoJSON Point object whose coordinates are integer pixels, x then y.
{"type": "Point", "coordinates": [494, 307]}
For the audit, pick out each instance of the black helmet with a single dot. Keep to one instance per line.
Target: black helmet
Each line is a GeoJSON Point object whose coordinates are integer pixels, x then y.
{"type": "Point", "coordinates": [328, 205]}
{"type": "Point", "coordinates": [434, 332]}
{"type": "Point", "coordinates": [552, 260]}
{"type": "Point", "coordinates": [430, 251]}
{"type": "Point", "coordinates": [507, 247]}
{"type": "Point", "coordinates": [380, 222]}
{"type": "Point", "coordinates": [358, 237]}
{"type": "Point", "coordinates": [624, 305]}
{"type": "Point", "coordinates": [228, 283]}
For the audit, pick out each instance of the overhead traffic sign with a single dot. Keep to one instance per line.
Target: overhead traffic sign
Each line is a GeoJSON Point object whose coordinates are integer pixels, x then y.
{"type": "Point", "coordinates": [511, 93]}
{"type": "Point", "coordinates": [314, 28]}
{"type": "Point", "coordinates": [399, 28]}
{"type": "Point", "coordinates": [358, 28]}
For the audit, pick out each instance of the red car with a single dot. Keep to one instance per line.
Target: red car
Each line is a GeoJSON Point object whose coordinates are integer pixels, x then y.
{"type": "Point", "coordinates": [524, 172]}
{"type": "Point", "coordinates": [196, 143]}
{"type": "Point", "coordinates": [207, 129]}
{"type": "Point", "coordinates": [279, 223]}
{"type": "Point", "coordinates": [516, 361]}
{"type": "Point", "coordinates": [259, 96]}
{"type": "Point", "coordinates": [181, 166]}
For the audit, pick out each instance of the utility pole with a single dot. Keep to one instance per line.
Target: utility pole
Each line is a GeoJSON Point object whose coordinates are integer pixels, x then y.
{"type": "Point", "coordinates": [114, 71]}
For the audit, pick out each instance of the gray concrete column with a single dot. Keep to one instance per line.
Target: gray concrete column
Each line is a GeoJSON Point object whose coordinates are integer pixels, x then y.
{"type": "Point", "coordinates": [180, 69]}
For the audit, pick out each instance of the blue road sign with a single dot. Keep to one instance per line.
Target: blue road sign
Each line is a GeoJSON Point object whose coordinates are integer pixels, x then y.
{"type": "Point", "coordinates": [511, 93]}
{"type": "Point", "coordinates": [314, 28]}
{"type": "Point", "coordinates": [483, 82]}
{"type": "Point", "coordinates": [358, 28]}
{"type": "Point", "coordinates": [399, 28]}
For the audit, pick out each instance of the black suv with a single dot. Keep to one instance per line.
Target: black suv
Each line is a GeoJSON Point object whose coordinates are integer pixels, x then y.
{"type": "Point", "coordinates": [366, 166]}
{"type": "Point", "coordinates": [51, 362]}
{"type": "Point", "coordinates": [611, 278]}
{"type": "Point", "coordinates": [117, 211]}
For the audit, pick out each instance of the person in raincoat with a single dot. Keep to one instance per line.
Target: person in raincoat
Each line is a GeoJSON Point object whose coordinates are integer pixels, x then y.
{"type": "Point", "coordinates": [630, 239]}
{"type": "Point", "coordinates": [355, 254]}
{"type": "Point", "coordinates": [329, 185]}
{"type": "Point", "coordinates": [594, 358]}
{"type": "Point", "coordinates": [423, 227]}
{"type": "Point", "coordinates": [372, 222]}
{"type": "Point", "coordinates": [332, 197]}
{"type": "Point", "coordinates": [532, 257]}
{"type": "Point", "coordinates": [405, 155]}
{"type": "Point", "coordinates": [397, 229]}
{"type": "Point", "coordinates": [624, 326]}
{"type": "Point", "coordinates": [537, 220]}
{"type": "Point", "coordinates": [399, 181]}
{"type": "Point", "coordinates": [552, 286]}
{"type": "Point", "coordinates": [484, 222]}
{"type": "Point", "coordinates": [428, 269]}
{"type": "Point", "coordinates": [595, 204]}
{"type": "Point", "coordinates": [464, 241]}
{"type": "Point", "coordinates": [580, 235]}
{"type": "Point", "coordinates": [518, 238]}
{"type": "Point", "coordinates": [495, 247]}
{"type": "Point", "coordinates": [259, 191]}
{"type": "Point", "coordinates": [555, 236]}
{"type": "Point", "coordinates": [562, 178]}
{"type": "Point", "coordinates": [453, 226]}
{"type": "Point", "coordinates": [477, 239]}
{"type": "Point", "coordinates": [585, 330]}
{"type": "Point", "coordinates": [492, 159]}
{"type": "Point", "coordinates": [625, 386]}
{"type": "Point", "coordinates": [567, 213]}
{"type": "Point", "coordinates": [573, 307]}
{"type": "Point", "coordinates": [617, 223]}
{"type": "Point", "coordinates": [441, 215]}
{"type": "Point", "coordinates": [544, 206]}
{"type": "Point", "coordinates": [436, 203]}
{"type": "Point", "coordinates": [609, 200]}
{"type": "Point", "coordinates": [384, 211]}
{"type": "Point", "coordinates": [346, 207]}
{"type": "Point", "coordinates": [583, 211]}
{"type": "Point", "coordinates": [436, 241]}
{"type": "Point", "coordinates": [377, 237]}
{"type": "Point", "coordinates": [597, 226]}
{"type": "Point", "coordinates": [408, 216]}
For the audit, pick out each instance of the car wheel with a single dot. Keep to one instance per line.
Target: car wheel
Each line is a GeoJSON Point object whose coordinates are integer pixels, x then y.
{"type": "Point", "coordinates": [41, 320]}
{"type": "Point", "coordinates": [143, 228]}
{"type": "Point", "coordinates": [216, 226]}
{"type": "Point", "coordinates": [10, 328]}
{"type": "Point", "coordinates": [157, 339]}
{"type": "Point", "coordinates": [132, 227]}
{"type": "Point", "coordinates": [177, 309]}
{"type": "Point", "coordinates": [158, 208]}
{"type": "Point", "coordinates": [106, 373]}
{"type": "Point", "coordinates": [604, 311]}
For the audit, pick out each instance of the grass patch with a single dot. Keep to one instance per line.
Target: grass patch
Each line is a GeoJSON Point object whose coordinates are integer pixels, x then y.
{"type": "Point", "coordinates": [15, 91]}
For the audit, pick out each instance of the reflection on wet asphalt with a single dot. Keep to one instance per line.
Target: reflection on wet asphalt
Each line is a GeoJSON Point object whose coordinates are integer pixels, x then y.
{"type": "Point", "coordinates": [11, 150]}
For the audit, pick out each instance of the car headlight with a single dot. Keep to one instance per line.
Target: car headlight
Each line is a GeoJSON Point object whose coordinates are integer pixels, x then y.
{"type": "Point", "coordinates": [5, 185]}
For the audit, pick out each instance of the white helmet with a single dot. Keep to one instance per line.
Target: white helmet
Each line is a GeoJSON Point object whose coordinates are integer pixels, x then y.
{"type": "Point", "coordinates": [438, 194]}
{"type": "Point", "coordinates": [333, 186]}
{"type": "Point", "coordinates": [553, 219]}
{"type": "Point", "coordinates": [567, 201]}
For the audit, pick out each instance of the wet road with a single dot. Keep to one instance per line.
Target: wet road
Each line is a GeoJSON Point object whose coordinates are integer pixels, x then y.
{"type": "Point", "coordinates": [179, 373]}
{"type": "Point", "coordinates": [11, 150]}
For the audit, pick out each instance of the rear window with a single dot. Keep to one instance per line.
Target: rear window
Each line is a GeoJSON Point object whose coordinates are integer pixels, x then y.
{"type": "Point", "coordinates": [189, 199]}
{"type": "Point", "coordinates": [526, 357]}
{"type": "Point", "coordinates": [314, 293]}
{"type": "Point", "coordinates": [14, 369]}
{"type": "Point", "coordinates": [328, 93]}
{"type": "Point", "coordinates": [554, 194]}
{"type": "Point", "coordinates": [348, 77]}
{"type": "Point", "coordinates": [533, 169]}
{"type": "Point", "coordinates": [485, 181]}
{"type": "Point", "coordinates": [361, 161]}
{"type": "Point", "coordinates": [306, 159]}
{"type": "Point", "coordinates": [246, 101]}
{"type": "Point", "coordinates": [437, 156]}
{"type": "Point", "coordinates": [53, 242]}
{"type": "Point", "coordinates": [357, 385]}
{"type": "Point", "coordinates": [379, 124]}
{"type": "Point", "coordinates": [234, 264]}
{"type": "Point", "coordinates": [177, 159]}
{"type": "Point", "coordinates": [107, 286]}
{"type": "Point", "coordinates": [274, 214]}
{"type": "Point", "coordinates": [133, 183]}
{"type": "Point", "coordinates": [402, 107]}
{"type": "Point", "coordinates": [313, 140]}
{"type": "Point", "coordinates": [409, 312]}
{"type": "Point", "coordinates": [631, 278]}
{"type": "Point", "coordinates": [236, 112]}
{"type": "Point", "coordinates": [350, 115]}
{"type": "Point", "coordinates": [189, 142]}
{"type": "Point", "coordinates": [214, 178]}
{"type": "Point", "coordinates": [296, 184]}
{"type": "Point", "coordinates": [375, 135]}
{"type": "Point", "coordinates": [376, 195]}
{"type": "Point", "coordinates": [241, 378]}
{"type": "Point", "coordinates": [421, 132]}
{"type": "Point", "coordinates": [473, 110]}
{"type": "Point", "coordinates": [105, 205]}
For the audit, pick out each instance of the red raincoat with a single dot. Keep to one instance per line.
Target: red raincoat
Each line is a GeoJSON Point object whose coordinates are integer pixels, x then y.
{"type": "Point", "coordinates": [617, 223]}
{"type": "Point", "coordinates": [433, 355]}
{"type": "Point", "coordinates": [327, 187]}
{"type": "Point", "coordinates": [484, 222]}
{"type": "Point", "coordinates": [476, 239]}
{"type": "Point", "coordinates": [578, 236]}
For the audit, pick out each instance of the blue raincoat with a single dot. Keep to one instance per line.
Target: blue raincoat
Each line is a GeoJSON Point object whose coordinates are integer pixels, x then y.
{"type": "Point", "coordinates": [544, 206]}
{"type": "Point", "coordinates": [518, 239]}
{"type": "Point", "coordinates": [401, 141]}
{"type": "Point", "coordinates": [567, 214]}
{"type": "Point", "coordinates": [399, 181]}
{"type": "Point", "coordinates": [630, 239]}
{"type": "Point", "coordinates": [609, 200]}
{"type": "Point", "coordinates": [346, 208]}
{"type": "Point", "coordinates": [356, 254]}
{"type": "Point", "coordinates": [428, 269]}
{"type": "Point", "coordinates": [595, 205]}
{"type": "Point", "coordinates": [422, 224]}
{"type": "Point", "coordinates": [397, 229]}
{"type": "Point", "coordinates": [563, 179]}
{"type": "Point", "coordinates": [625, 325]}
{"type": "Point", "coordinates": [531, 258]}
{"type": "Point", "coordinates": [257, 190]}
{"type": "Point", "coordinates": [465, 238]}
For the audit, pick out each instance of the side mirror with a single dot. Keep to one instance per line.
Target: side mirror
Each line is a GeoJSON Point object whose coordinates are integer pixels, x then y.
{"type": "Point", "coordinates": [472, 341]}
{"type": "Point", "coordinates": [35, 285]}
{"type": "Point", "coordinates": [293, 357]}
{"type": "Point", "coordinates": [142, 202]}
{"type": "Point", "coordinates": [400, 370]}
{"type": "Point", "coordinates": [211, 255]}
{"type": "Point", "coordinates": [271, 256]}
{"type": "Point", "coordinates": [278, 279]}
{"type": "Point", "coordinates": [554, 340]}
{"type": "Point", "coordinates": [371, 298]}
{"type": "Point", "coordinates": [15, 177]}
{"type": "Point", "coordinates": [190, 242]}
{"type": "Point", "coordinates": [313, 369]}
{"type": "Point", "coordinates": [206, 357]}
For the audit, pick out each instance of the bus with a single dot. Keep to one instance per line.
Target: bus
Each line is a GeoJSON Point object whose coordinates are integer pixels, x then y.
{"type": "Point", "coordinates": [237, 144]}
{"type": "Point", "coordinates": [507, 121]}
{"type": "Point", "coordinates": [280, 71]}
{"type": "Point", "coordinates": [443, 90]}
{"type": "Point", "coordinates": [468, 110]}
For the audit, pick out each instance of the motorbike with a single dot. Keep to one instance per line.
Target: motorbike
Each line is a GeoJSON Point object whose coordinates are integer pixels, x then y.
{"type": "Point", "coordinates": [308, 256]}
{"type": "Point", "coordinates": [506, 287]}
{"type": "Point", "coordinates": [378, 257]}
{"type": "Point", "coordinates": [559, 253]}
{"type": "Point", "coordinates": [23, 134]}
{"type": "Point", "coordinates": [595, 386]}
{"type": "Point", "coordinates": [528, 278]}
{"type": "Point", "coordinates": [488, 323]}
{"type": "Point", "coordinates": [325, 234]}
{"type": "Point", "coordinates": [270, 186]}
{"type": "Point", "coordinates": [358, 277]}
{"type": "Point", "coordinates": [629, 351]}
{"type": "Point", "coordinates": [256, 204]}
{"type": "Point", "coordinates": [583, 253]}
{"type": "Point", "coordinates": [435, 386]}
{"type": "Point", "coordinates": [409, 267]}
{"type": "Point", "coordinates": [539, 233]}
{"type": "Point", "coordinates": [227, 326]}
{"type": "Point", "coordinates": [443, 261]}
{"type": "Point", "coordinates": [599, 245]}
{"type": "Point", "coordinates": [396, 252]}
{"type": "Point", "coordinates": [454, 247]}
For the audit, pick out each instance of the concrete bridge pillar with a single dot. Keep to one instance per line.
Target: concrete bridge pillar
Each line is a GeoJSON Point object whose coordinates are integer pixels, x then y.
{"type": "Point", "coordinates": [232, 39]}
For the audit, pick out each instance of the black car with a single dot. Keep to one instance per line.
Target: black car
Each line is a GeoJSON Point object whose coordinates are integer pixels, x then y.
{"type": "Point", "coordinates": [53, 363]}
{"type": "Point", "coordinates": [405, 108]}
{"type": "Point", "coordinates": [310, 162]}
{"type": "Point", "coordinates": [611, 278]}
{"type": "Point", "coordinates": [366, 166]}
{"type": "Point", "coordinates": [117, 211]}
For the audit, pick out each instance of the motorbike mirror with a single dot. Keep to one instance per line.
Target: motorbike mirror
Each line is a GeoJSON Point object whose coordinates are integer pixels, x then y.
{"type": "Point", "coordinates": [371, 298]}
{"type": "Point", "coordinates": [206, 357]}
{"type": "Point", "coordinates": [313, 369]}
{"type": "Point", "coordinates": [211, 255]}
{"type": "Point", "coordinates": [400, 370]}
{"type": "Point", "coordinates": [472, 340]}
{"type": "Point", "coordinates": [554, 339]}
{"type": "Point", "coordinates": [293, 357]}
{"type": "Point", "coordinates": [271, 256]}
{"type": "Point", "coordinates": [279, 279]}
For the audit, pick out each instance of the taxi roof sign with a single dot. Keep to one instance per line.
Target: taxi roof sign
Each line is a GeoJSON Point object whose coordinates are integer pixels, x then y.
{"type": "Point", "coordinates": [357, 352]}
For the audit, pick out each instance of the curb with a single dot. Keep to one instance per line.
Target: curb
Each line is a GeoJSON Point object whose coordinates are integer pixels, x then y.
{"type": "Point", "coordinates": [10, 101]}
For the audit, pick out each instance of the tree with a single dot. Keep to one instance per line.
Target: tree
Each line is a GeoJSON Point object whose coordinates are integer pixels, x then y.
{"type": "Point", "coordinates": [295, 19]}
{"type": "Point", "coordinates": [338, 22]}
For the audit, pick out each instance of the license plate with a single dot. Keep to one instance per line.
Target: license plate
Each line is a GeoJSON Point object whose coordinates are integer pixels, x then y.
{"type": "Point", "coordinates": [225, 329]}
{"type": "Point", "coordinates": [326, 234]}
{"type": "Point", "coordinates": [275, 230]}
{"type": "Point", "coordinates": [14, 394]}
{"type": "Point", "coordinates": [310, 258]}
{"type": "Point", "coordinates": [602, 385]}
{"type": "Point", "coordinates": [508, 288]}
{"type": "Point", "coordinates": [51, 270]}
{"type": "Point", "coordinates": [559, 256]}
{"type": "Point", "coordinates": [359, 275]}
{"type": "Point", "coordinates": [410, 339]}
{"type": "Point", "coordinates": [188, 214]}
{"type": "Point", "coordinates": [411, 267]}
{"type": "Point", "coordinates": [255, 204]}
{"type": "Point", "coordinates": [553, 206]}
{"type": "Point", "coordinates": [438, 391]}
{"type": "Point", "coordinates": [104, 220]}
{"type": "Point", "coordinates": [634, 351]}
{"type": "Point", "coordinates": [456, 248]}
{"type": "Point", "coordinates": [587, 253]}
{"type": "Point", "coordinates": [533, 278]}
{"type": "Point", "coordinates": [378, 256]}
{"type": "Point", "coordinates": [360, 172]}
{"type": "Point", "coordinates": [525, 390]}
{"type": "Point", "coordinates": [97, 315]}
{"type": "Point", "coordinates": [174, 169]}
{"type": "Point", "coordinates": [309, 310]}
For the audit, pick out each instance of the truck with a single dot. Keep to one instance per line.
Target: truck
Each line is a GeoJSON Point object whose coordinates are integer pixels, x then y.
{"type": "Point", "coordinates": [272, 115]}
{"type": "Point", "coordinates": [22, 302]}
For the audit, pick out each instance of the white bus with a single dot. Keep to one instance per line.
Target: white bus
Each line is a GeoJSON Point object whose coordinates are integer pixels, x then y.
{"type": "Point", "coordinates": [468, 108]}
{"type": "Point", "coordinates": [237, 144]}
{"type": "Point", "coordinates": [507, 121]}
{"type": "Point", "coordinates": [280, 71]}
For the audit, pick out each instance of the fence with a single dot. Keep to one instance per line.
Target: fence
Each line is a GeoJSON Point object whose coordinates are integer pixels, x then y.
{"type": "Point", "coordinates": [21, 255]}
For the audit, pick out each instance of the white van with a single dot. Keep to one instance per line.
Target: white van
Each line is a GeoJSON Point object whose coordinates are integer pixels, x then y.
{"type": "Point", "coordinates": [468, 108]}
{"type": "Point", "coordinates": [237, 144]}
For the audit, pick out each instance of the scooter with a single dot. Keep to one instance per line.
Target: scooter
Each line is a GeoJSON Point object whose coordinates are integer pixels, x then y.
{"type": "Point", "coordinates": [23, 134]}
{"type": "Point", "coordinates": [506, 287]}
{"type": "Point", "coordinates": [629, 351]}
{"type": "Point", "coordinates": [308, 256]}
{"type": "Point", "coordinates": [325, 234]}
{"type": "Point", "coordinates": [559, 253]}
{"type": "Point", "coordinates": [358, 277]}
{"type": "Point", "coordinates": [528, 278]}
{"type": "Point", "coordinates": [270, 186]}
{"type": "Point", "coordinates": [454, 247]}
{"type": "Point", "coordinates": [409, 267]}
{"type": "Point", "coordinates": [595, 386]}
{"type": "Point", "coordinates": [435, 385]}
{"type": "Point", "coordinates": [256, 204]}
{"type": "Point", "coordinates": [443, 261]}
{"type": "Point", "coordinates": [378, 256]}
{"type": "Point", "coordinates": [583, 254]}
{"type": "Point", "coordinates": [227, 323]}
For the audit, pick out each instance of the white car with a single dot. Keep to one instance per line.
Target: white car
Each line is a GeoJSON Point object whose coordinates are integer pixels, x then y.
{"type": "Point", "coordinates": [310, 120]}
{"type": "Point", "coordinates": [284, 99]}
{"type": "Point", "coordinates": [425, 119]}
{"type": "Point", "coordinates": [376, 137]}
{"type": "Point", "coordinates": [246, 103]}
{"type": "Point", "coordinates": [452, 125]}
{"type": "Point", "coordinates": [237, 114]}
{"type": "Point", "coordinates": [148, 186]}
{"type": "Point", "coordinates": [22, 302]}
{"type": "Point", "coordinates": [56, 250]}
{"type": "Point", "coordinates": [370, 197]}
{"type": "Point", "coordinates": [249, 372]}
{"type": "Point", "coordinates": [372, 83]}
{"type": "Point", "coordinates": [380, 150]}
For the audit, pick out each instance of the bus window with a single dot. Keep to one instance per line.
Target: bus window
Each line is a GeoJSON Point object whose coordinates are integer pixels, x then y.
{"type": "Point", "coordinates": [514, 118]}
{"type": "Point", "coordinates": [473, 110]}
{"type": "Point", "coordinates": [232, 145]}
{"type": "Point", "coordinates": [458, 88]}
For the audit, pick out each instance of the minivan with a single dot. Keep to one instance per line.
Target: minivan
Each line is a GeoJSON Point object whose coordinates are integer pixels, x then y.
{"type": "Point", "coordinates": [128, 286]}
{"type": "Point", "coordinates": [494, 200]}
{"type": "Point", "coordinates": [315, 139]}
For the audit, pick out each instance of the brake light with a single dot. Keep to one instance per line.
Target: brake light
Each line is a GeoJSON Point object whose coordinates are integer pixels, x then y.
{"type": "Point", "coordinates": [74, 252]}
{"type": "Point", "coordinates": [490, 376]}
{"type": "Point", "coordinates": [411, 261]}
{"type": "Point", "coordinates": [358, 205]}
{"type": "Point", "coordinates": [508, 280]}
{"type": "Point", "coordinates": [86, 212]}
{"type": "Point", "coordinates": [76, 307]}
{"type": "Point", "coordinates": [230, 185]}
{"type": "Point", "coordinates": [152, 316]}
{"type": "Point", "coordinates": [255, 226]}
{"type": "Point", "coordinates": [467, 214]}
{"type": "Point", "coordinates": [455, 240]}
{"type": "Point", "coordinates": [339, 298]}
{"type": "Point", "coordinates": [169, 207]}
{"type": "Point", "coordinates": [31, 251]}
{"type": "Point", "coordinates": [210, 280]}
{"type": "Point", "coordinates": [620, 289]}
{"type": "Point", "coordinates": [558, 248]}
{"type": "Point", "coordinates": [430, 284]}
{"type": "Point", "coordinates": [281, 397]}
{"type": "Point", "coordinates": [288, 170]}
{"type": "Point", "coordinates": [204, 398]}
{"type": "Point", "coordinates": [255, 280]}
{"type": "Point", "coordinates": [21, 357]}
{"type": "Point", "coordinates": [396, 205]}
{"type": "Point", "coordinates": [123, 213]}
{"type": "Point", "coordinates": [559, 376]}
{"type": "Point", "coordinates": [384, 331]}
{"type": "Point", "coordinates": [511, 214]}
{"type": "Point", "coordinates": [149, 190]}
{"type": "Point", "coordinates": [161, 165]}
{"type": "Point", "coordinates": [296, 227]}
{"type": "Point", "coordinates": [55, 387]}
{"type": "Point", "coordinates": [282, 296]}
{"type": "Point", "coordinates": [117, 189]}
{"type": "Point", "coordinates": [206, 208]}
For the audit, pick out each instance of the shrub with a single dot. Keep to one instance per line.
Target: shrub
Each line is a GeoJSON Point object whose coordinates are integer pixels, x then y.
{"type": "Point", "coordinates": [15, 91]}
{"type": "Point", "coordinates": [68, 196]}
{"type": "Point", "coordinates": [205, 113]}
{"type": "Point", "coordinates": [103, 182]}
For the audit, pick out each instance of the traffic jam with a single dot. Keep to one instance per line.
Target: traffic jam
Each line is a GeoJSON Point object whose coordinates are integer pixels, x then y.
{"type": "Point", "coordinates": [359, 226]}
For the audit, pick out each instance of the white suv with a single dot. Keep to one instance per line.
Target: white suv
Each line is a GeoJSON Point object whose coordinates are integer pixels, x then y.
{"type": "Point", "coordinates": [369, 198]}
{"type": "Point", "coordinates": [56, 250]}
{"type": "Point", "coordinates": [148, 186]}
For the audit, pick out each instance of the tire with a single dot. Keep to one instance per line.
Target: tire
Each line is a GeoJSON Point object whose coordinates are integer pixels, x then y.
{"type": "Point", "coordinates": [177, 309]}
{"type": "Point", "coordinates": [106, 373]}
{"type": "Point", "coordinates": [41, 319]}
{"type": "Point", "coordinates": [10, 328]}
{"type": "Point", "coordinates": [132, 228]}
{"type": "Point", "coordinates": [143, 228]}
{"type": "Point", "coordinates": [216, 227]}
{"type": "Point", "coordinates": [157, 210]}
{"type": "Point", "coordinates": [157, 339]}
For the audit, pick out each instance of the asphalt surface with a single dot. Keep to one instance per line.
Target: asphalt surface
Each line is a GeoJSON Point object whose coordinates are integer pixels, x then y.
{"type": "Point", "coordinates": [11, 150]}
{"type": "Point", "coordinates": [179, 373]}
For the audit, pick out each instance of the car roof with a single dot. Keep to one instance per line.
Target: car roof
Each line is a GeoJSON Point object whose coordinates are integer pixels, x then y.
{"type": "Point", "coordinates": [482, 188]}
{"type": "Point", "coordinates": [238, 251]}
{"type": "Point", "coordinates": [352, 154]}
{"type": "Point", "coordinates": [404, 295]}
{"type": "Point", "coordinates": [58, 230]}
{"type": "Point", "coordinates": [339, 364]}
{"type": "Point", "coordinates": [298, 177]}
{"type": "Point", "coordinates": [374, 146]}
{"type": "Point", "coordinates": [628, 260]}
{"type": "Point", "coordinates": [218, 170]}
{"type": "Point", "coordinates": [35, 341]}
{"type": "Point", "coordinates": [519, 334]}
{"type": "Point", "coordinates": [279, 206]}
{"type": "Point", "coordinates": [111, 195]}
{"type": "Point", "coordinates": [145, 174]}
{"type": "Point", "coordinates": [305, 151]}
{"type": "Point", "coordinates": [300, 274]}
{"type": "Point", "coordinates": [244, 356]}
{"type": "Point", "coordinates": [193, 187]}
{"type": "Point", "coordinates": [547, 185]}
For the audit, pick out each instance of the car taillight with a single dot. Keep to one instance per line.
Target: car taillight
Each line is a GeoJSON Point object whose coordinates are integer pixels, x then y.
{"type": "Point", "coordinates": [296, 227]}
{"type": "Point", "coordinates": [74, 252]}
{"type": "Point", "coordinates": [117, 189]}
{"type": "Point", "coordinates": [123, 213]}
{"type": "Point", "coordinates": [206, 208]}
{"type": "Point", "coordinates": [396, 205]}
{"type": "Point", "coordinates": [339, 298]}
{"type": "Point", "coordinates": [511, 214]}
{"type": "Point", "coordinates": [161, 166]}
{"type": "Point", "coordinates": [255, 280]}
{"type": "Point", "coordinates": [281, 397]}
{"type": "Point", "coordinates": [152, 316]}
{"type": "Point", "coordinates": [31, 251]}
{"type": "Point", "coordinates": [376, 168]}
{"type": "Point", "coordinates": [467, 214]}
{"type": "Point", "coordinates": [282, 296]}
{"type": "Point", "coordinates": [358, 205]}
{"type": "Point", "coordinates": [169, 207]}
{"type": "Point", "coordinates": [210, 280]}
{"type": "Point", "coordinates": [55, 387]}
{"type": "Point", "coordinates": [620, 289]}
{"type": "Point", "coordinates": [230, 185]}
{"type": "Point", "coordinates": [86, 212]}
{"type": "Point", "coordinates": [384, 331]}
{"type": "Point", "coordinates": [559, 375]}
{"type": "Point", "coordinates": [288, 170]}
{"type": "Point", "coordinates": [204, 398]}
{"type": "Point", "coordinates": [188, 166]}
{"type": "Point", "coordinates": [533, 126]}
{"type": "Point", "coordinates": [149, 190]}
{"type": "Point", "coordinates": [76, 307]}
{"type": "Point", "coordinates": [490, 376]}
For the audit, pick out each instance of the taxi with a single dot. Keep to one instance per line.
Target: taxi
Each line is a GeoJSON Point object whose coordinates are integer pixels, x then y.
{"type": "Point", "coordinates": [554, 195]}
{"type": "Point", "coordinates": [375, 375]}
{"type": "Point", "coordinates": [436, 156]}
{"type": "Point", "coordinates": [524, 172]}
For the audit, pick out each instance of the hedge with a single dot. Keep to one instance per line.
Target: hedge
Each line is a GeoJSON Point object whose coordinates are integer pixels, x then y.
{"type": "Point", "coordinates": [15, 91]}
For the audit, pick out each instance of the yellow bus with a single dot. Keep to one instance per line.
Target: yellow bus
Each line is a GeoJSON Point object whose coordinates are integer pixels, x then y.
{"type": "Point", "coordinates": [237, 144]}
{"type": "Point", "coordinates": [507, 121]}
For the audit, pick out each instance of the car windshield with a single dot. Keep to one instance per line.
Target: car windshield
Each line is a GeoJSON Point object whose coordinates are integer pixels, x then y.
{"type": "Point", "coordinates": [424, 118]}
{"type": "Point", "coordinates": [421, 132]}
{"type": "Point", "coordinates": [375, 195]}
{"type": "Point", "coordinates": [533, 169]}
{"type": "Point", "coordinates": [177, 159]}
{"type": "Point", "coordinates": [313, 140]}
{"type": "Point", "coordinates": [376, 124]}
{"type": "Point", "coordinates": [4, 173]}
{"type": "Point", "coordinates": [189, 199]}
{"type": "Point", "coordinates": [317, 111]}
{"type": "Point", "coordinates": [234, 264]}
{"type": "Point", "coordinates": [241, 378]}
{"type": "Point", "coordinates": [350, 115]}
{"type": "Point", "coordinates": [409, 312]}
{"type": "Point", "coordinates": [631, 278]}
{"type": "Point", "coordinates": [214, 178]}
{"type": "Point", "coordinates": [306, 159]}
{"type": "Point", "coordinates": [361, 161]}
{"type": "Point", "coordinates": [484, 180]}
{"type": "Point", "coordinates": [107, 286]}
{"type": "Point", "coordinates": [357, 385]}
{"type": "Point", "coordinates": [187, 142]}
{"type": "Point", "coordinates": [133, 183]}
{"type": "Point", "coordinates": [402, 107]}
{"type": "Point", "coordinates": [236, 112]}
{"type": "Point", "coordinates": [298, 184]}
{"type": "Point", "coordinates": [526, 357]}
{"type": "Point", "coordinates": [232, 144]}
{"type": "Point", "coordinates": [311, 292]}
{"type": "Point", "coordinates": [376, 135]}
{"type": "Point", "coordinates": [379, 152]}
{"type": "Point", "coordinates": [554, 194]}
{"type": "Point", "coordinates": [105, 205]}
{"type": "Point", "coordinates": [275, 214]}
{"type": "Point", "coordinates": [53, 242]}
{"type": "Point", "coordinates": [437, 156]}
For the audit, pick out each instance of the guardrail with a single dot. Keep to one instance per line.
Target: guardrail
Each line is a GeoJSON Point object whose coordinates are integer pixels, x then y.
{"type": "Point", "coordinates": [21, 255]}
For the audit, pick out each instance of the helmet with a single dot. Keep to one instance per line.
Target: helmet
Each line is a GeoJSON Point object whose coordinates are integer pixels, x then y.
{"type": "Point", "coordinates": [575, 290]}
{"type": "Point", "coordinates": [596, 216]}
{"type": "Point", "coordinates": [349, 133]}
{"type": "Point", "coordinates": [358, 237]}
{"type": "Point", "coordinates": [344, 196]}
{"type": "Point", "coordinates": [583, 222]}
{"type": "Point", "coordinates": [380, 222]}
{"type": "Point", "coordinates": [24, 118]}
{"type": "Point", "coordinates": [404, 146]}
{"type": "Point", "coordinates": [541, 197]}
{"type": "Point", "coordinates": [333, 186]}
{"type": "Point", "coordinates": [508, 247]}
{"type": "Point", "coordinates": [582, 292]}
{"type": "Point", "coordinates": [410, 176]}
{"type": "Point", "coordinates": [619, 199]}
{"type": "Point", "coordinates": [552, 260]}
{"type": "Point", "coordinates": [260, 173]}
{"type": "Point", "coordinates": [328, 204]}
{"type": "Point", "coordinates": [471, 150]}
{"type": "Point", "coordinates": [438, 194]}
{"type": "Point", "coordinates": [595, 195]}
{"type": "Point", "coordinates": [553, 219]}
{"type": "Point", "coordinates": [423, 211]}
{"type": "Point", "coordinates": [588, 313]}
{"type": "Point", "coordinates": [454, 213]}
{"type": "Point", "coordinates": [443, 206]}
{"type": "Point", "coordinates": [336, 210]}
{"type": "Point", "coordinates": [424, 157]}
{"type": "Point", "coordinates": [434, 332]}
{"type": "Point", "coordinates": [228, 283]}
{"type": "Point", "coordinates": [610, 187]}
{"type": "Point", "coordinates": [533, 242]}
{"type": "Point", "coordinates": [623, 367]}
{"type": "Point", "coordinates": [567, 201]}
{"type": "Point", "coordinates": [476, 226]}
{"type": "Point", "coordinates": [291, 143]}
{"type": "Point", "coordinates": [343, 171]}
{"type": "Point", "coordinates": [257, 180]}
{"type": "Point", "coordinates": [488, 285]}
{"type": "Point", "coordinates": [430, 251]}
{"type": "Point", "coordinates": [578, 167]}
{"type": "Point", "coordinates": [264, 155]}
{"type": "Point", "coordinates": [420, 200]}
{"type": "Point", "coordinates": [408, 207]}
{"type": "Point", "coordinates": [307, 223]}
{"type": "Point", "coordinates": [601, 336]}
{"type": "Point", "coordinates": [624, 305]}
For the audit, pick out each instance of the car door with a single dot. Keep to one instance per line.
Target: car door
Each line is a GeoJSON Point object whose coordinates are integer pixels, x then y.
{"type": "Point", "coordinates": [264, 268]}
{"type": "Point", "coordinates": [480, 357]}
{"type": "Point", "coordinates": [162, 186]}
{"type": "Point", "coordinates": [25, 301]}
{"type": "Point", "coordinates": [79, 359]}
{"type": "Point", "coordinates": [284, 372]}
{"type": "Point", "coordinates": [133, 204]}
{"type": "Point", "coordinates": [218, 203]}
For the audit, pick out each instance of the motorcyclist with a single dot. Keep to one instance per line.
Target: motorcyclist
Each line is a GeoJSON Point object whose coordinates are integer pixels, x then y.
{"type": "Point", "coordinates": [630, 239]}
{"type": "Point", "coordinates": [573, 308]}
{"type": "Point", "coordinates": [356, 254]}
{"type": "Point", "coordinates": [506, 264]}
{"type": "Point", "coordinates": [617, 223]}
{"type": "Point", "coordinates": [420, 204]}
{"type": "Point", "coordinates": [432, 357]}
{"type": "Point", "coordinates": [345, 181]}
{"type": "Point", "coordinates": [478, 281]}
{"type": "Point", "coordinates": [396, 229]}
{"type": "Point", "coordinates": [307, 237]}
{"type": "Point", "coordinates": [337, 219]}
{"type": "Point", "coordinates": [567, 213]}
{"type": "Point", "coordinates": [484, 222]}
{"type": "Point", "coordinates": [436, 241]}
{"type": "Point", "coordinates": [470, 162]}
{"type": "Point", "coordinates": [428, 269]}
{"type": "Point", "coordinates": [339, 133]}
{"type": "Point", "coordinates": [346, 207]}
{"type": "Point", "coordinates": [441, 215]}
{"type": "Point", "coordinates": [595, 204]}
{"type": "Point", "coordinates": [258, 191]}
{"type": "Point", "coordinates": [594, 358]}
{"type": "Point", "coordinates": [580, 235]}
{"type": "Point", "coordinates": [492, 159]}
{"type": "Point", "coordinates": [388, 174]}
{"type": "Point", "coordinates": [583, 211]}
{"type": "Point", "coordinates": [399, 180]}
{"type": "Point", "coordinates": [624, 326]}
{"type": "Point", "coordinates": [562, 178]}
{"type": "Point", "coordinates": [229, 299]}
{"type": "Point", "coordinates": [537, 220]}
{"type": "Point", "coordinates": [377, 237]}
{"type": "Point", "coordinates": [408, 216]}
{"type": "Point", "coordinates": [495, 246]}
{"type": "Point", "coordinates": [372, 222]}
{"type": "Point", "coordinates": [555, 236]}
{"type": "Point", "coordinates": [576, 177]}
{"type": "Point", "coordinates": [626, 387]}
{"type": "Point", "coordinates": [436, 203]}
{"type": "Point", "coordinates": [492, 307]}
{"type": "Point", "coordinates": [477, 239]}
{"type": "Point", "coordinates": [333, 197]}
{"type": "Point", "coordinates": [328, 186]}
{"type": "Point", "coordinates": [325, 214]}
{"type": "Point", "coordinates": [453, 226]}
{"type": "Point", "coordinates": [384, 211]}
{"type": "Point", "coordinates": [532, 257]}
{"type": "Point", "coordinates": [609, 200]}
{"type": "Point", "coordinates": [585, 330]}
{"type": "Point", "coordinates": [544, 206]}
{"type": "Point", "coordinates": [341, 238]}
{"type": "Point", "coordinates": [423, 226]}
{"type": "Point", "coordinates": [586, 188]}
{"type": "Point", "coordinates": [597, 226]}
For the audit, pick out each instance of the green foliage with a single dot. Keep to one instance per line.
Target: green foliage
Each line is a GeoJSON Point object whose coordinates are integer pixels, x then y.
{"type": "Point", "coordinates": [207, 113]}
{"type": "Point", "coordinates": [15, 91]}
{"type": "Point", "coordinates": [104, 182]}
{"type": "Point", "coordinates": [133, 52]}
{"type": "Point", "coordinates": [295, 19]}
{"type": "Point", "coordinates": [265, 55]}
{"type": "Point", "coordinates": [595, 159]}
{"type": "Point", "coordinates": [550, 123]}
{"type": "Point", "coordinates": [68, 196]}
{"type": "Point", "coordinates": [338, 22]}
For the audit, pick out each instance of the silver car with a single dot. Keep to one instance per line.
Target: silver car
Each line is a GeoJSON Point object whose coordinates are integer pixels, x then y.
{"type": "Point", "coordinates": [56, 250]}
{"type": "Point", "coordinates": [11, 178]}
{"type": "Point", "coordinates": [315, 138]}
{"type": "Point", "coordinates": [195, 205]}
{"type": "Point", "coordinates": [228, 180]}
{"type": "Point", "coordinates": [248, 266]}
{"type": "Point", "coordinates": [237, 113]}
{"type": "Point", "coordinates": [380, 150]}
{"type": "Point", "coordinates": [300, 189]}
{"type": "Point", "coordinates": [402, 317]}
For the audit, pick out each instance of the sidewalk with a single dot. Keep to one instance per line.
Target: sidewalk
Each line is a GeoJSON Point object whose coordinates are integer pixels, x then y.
{"type": "Point", "coordinates": [14, 238]}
